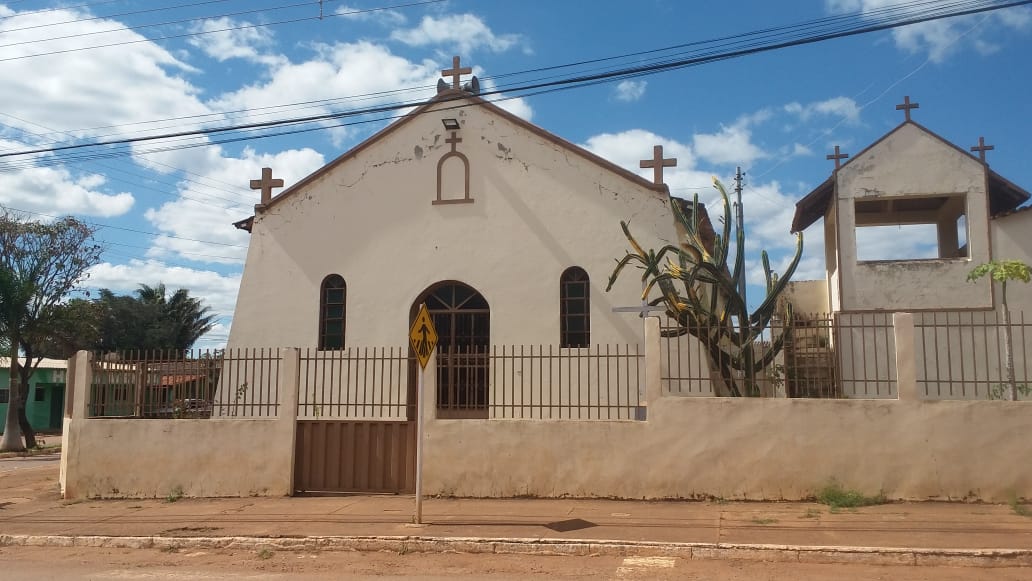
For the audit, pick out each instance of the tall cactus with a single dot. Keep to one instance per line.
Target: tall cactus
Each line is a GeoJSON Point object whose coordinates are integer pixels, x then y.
{"type": "Point", "coordinates": [702, 295]}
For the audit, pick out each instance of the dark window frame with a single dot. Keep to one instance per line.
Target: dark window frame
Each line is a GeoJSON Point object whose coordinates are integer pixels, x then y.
{"type": "Point", "coordinates": [574, 308]}
{"type": "Point", "coordinates": [332, 341]}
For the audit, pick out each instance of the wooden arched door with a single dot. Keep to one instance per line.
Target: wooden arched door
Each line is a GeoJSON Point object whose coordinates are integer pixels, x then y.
{"type": "Point", "coordinates": [462, 318]}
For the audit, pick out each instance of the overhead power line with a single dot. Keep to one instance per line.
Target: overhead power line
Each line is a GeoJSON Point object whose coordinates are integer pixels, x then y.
{"type": "Point", "coordinates": [103, 17]}
{"type": "Point", "coordinates": [225, 29]}
{"type": "Point", "coordinates": [134, 230]}
{"type": "Point", "coordinates": [933, 11]}
{"type": "Point", "coordinates": [123, 28]}
{"type": "Point", "coordinates": [876, 16]}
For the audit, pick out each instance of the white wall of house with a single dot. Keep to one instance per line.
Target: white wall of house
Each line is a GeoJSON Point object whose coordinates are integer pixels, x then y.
{"type": "Point", "coordinates": [540, 206]}
{"type": "Point", "coordinates": [1012, 241]}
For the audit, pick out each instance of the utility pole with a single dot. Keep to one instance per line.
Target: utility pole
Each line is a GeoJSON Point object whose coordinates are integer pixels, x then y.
{"type": "Point", "coordinates": [740, 223]}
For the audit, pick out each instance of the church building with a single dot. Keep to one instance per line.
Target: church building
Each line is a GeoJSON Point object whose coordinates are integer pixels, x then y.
{"type": "Point", "coordinates": [506, 232]}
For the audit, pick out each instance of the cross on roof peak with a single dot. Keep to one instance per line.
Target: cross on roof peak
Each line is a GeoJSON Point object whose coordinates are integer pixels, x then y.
{"type": "Point", "coordinates": [838, 157]}
{"type": "Point", "coordinates": [266, 184]}
{"type": "Point", "coordinates": [981, 148]}
{"type": "Point", "coordinates": [906, 106]}
{"type": "Point", "coordinates": [657, 163]}
{"type": "Point", "coordinates": [456, 73]}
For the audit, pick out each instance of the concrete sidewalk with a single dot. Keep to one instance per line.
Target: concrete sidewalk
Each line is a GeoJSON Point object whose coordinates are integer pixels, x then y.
{"type": "Point", "coordinates": [31, 512]}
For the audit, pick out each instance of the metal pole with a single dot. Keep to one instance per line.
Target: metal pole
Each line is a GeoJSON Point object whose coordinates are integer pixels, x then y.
{"type": "Point", "coordinates": [419, 447]}
{"type": "Point", "coordinates": [740, 225]}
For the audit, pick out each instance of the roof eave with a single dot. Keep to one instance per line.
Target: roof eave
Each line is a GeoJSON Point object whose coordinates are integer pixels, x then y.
{"type": "Point", "coordinates": [814, 205]}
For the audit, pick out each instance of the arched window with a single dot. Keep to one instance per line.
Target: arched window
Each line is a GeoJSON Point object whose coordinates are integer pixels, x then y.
{"type": "Point", "coordinates": [332, 311]}
{"type": "Point", "coordinates": [574, 308]}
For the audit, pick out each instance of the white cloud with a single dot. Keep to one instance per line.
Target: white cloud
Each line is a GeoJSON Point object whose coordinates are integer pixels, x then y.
{"type": "Point", "coordinates": [518, 106]}
{"type": "Point", "coordinates": [212, 220]}
{"type": "Point", "coordinates": [628, 148]}
{"type": "Point", "coordinates": [77, 89]}
{"type": "Point", "coordinates": [937, 38]}
{"type": "Point", "coordinates": [464, 32]}
{"type": "Point", "coordinates": [731, 145]}
{"type": "Point", "coordinates": [842, 107]}
{"type": "Point", "coordinates": [377, 15]}
{"type": "Point", "coordinates": [363, 70]}
{"type": "Point", "coordinates": [56, 190]}
{"type": "Point", "coordinates": [1018, 18]}
{"type": "Point", "coordinates": [225, 38]}
{"type": "Point", "coordinates": [629, 91]}
{"type": "Point", "coordinates": [800, 150]}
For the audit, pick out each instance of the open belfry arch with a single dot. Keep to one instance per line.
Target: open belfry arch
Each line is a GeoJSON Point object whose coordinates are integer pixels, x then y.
{"type": "Point", "coordinates": [340, 261]}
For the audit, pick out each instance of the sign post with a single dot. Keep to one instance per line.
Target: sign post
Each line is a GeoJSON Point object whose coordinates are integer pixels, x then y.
{"type": "Point", "coordinates": [423, 338]}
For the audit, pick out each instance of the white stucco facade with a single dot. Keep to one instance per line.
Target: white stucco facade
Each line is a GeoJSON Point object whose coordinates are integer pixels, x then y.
{"type": "Point", "coordinates": [910, 162]}
{"type": "Point", "coordinates": [539, 205]}
{"type": "Point", "coordinates": [912, 176]}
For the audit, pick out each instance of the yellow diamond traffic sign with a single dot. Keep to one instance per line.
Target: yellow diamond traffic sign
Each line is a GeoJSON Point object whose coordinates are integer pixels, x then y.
{"type": "Point", "coordinates": [423, 336]}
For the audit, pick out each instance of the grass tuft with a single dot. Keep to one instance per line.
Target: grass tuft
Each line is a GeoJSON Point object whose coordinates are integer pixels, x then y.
{"type": "Point", "coordinates": [1018, 508]}
{"type": "Point", "coordinates": [835, 496]}
{"type": "Point", "coordinates": [175, 494]}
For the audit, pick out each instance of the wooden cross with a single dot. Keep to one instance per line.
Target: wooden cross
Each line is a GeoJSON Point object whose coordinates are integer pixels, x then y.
{"type": "Point", "coordinates": [838, 157]}
{"type": "Point", "coordinates": [453, 140]}
{"type": "Point", "coordinates": [657, 163]}
{"type": "Point", "coordinates": [981, 148]}
{"type": "Point", "coordinates": [906, 106]}
{"type": "Point", "coordinates": [456, 72]}
{"type": "Point", "coordinates": [266, 184]}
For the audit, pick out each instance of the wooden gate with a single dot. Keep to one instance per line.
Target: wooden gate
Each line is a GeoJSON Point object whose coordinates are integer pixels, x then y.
{"type": "Point", "coordinates": [355, 429]}
{"type": "Point", "coordinates": [355, 456]}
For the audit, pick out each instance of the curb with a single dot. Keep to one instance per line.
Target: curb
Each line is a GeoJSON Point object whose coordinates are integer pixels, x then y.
{"type": "Point", "coordinates": [573, 547]}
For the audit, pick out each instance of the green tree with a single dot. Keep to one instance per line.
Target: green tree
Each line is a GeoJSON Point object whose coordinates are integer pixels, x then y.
{"type": "Point", "coordinates": [1003, 271]}
{"type": "Point", "coordinates": [40, 264]}
{"type": "Point", "coordinates": [152, 320]}
{"type": "Point", "coordinates": [703, 296]}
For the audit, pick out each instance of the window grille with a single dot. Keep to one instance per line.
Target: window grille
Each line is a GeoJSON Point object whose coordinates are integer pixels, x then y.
{"type": "Point", "coordinates": [574, 308]}
{"type": "Point", "coordinates": [332, 312]}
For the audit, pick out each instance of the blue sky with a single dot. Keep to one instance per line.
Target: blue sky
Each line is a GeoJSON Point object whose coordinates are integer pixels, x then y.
{"type": "Point", "coordinates": [165, 216]}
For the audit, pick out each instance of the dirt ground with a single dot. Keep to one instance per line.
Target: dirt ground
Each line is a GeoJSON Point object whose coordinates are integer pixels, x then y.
{"type": "Point", "coordinates": [39, 563]}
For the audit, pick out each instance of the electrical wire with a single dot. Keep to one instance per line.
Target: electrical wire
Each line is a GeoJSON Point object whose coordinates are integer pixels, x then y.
{"type": "Point", "coordinates": [530, 88]}
{"type": "Point", "coordinates": [247, 26]}
{"type": "Point", "coordinates": [867, 16]}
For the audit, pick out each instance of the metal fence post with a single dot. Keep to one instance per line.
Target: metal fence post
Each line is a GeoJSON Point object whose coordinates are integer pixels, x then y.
{"type": "Point", "coordinates": [906, 366]}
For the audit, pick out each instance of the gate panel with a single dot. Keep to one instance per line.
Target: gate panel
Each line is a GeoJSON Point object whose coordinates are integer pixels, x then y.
{"type": "Point", "coordinates": [355, 456]}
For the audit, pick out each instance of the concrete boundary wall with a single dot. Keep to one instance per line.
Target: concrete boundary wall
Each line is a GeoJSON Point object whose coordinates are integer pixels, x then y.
{"type": "Point", "coordinates": [735, 448]}
{"type": "Point", "coordinates": [744, 448]}
{"type": "Point", "coordinates": [148, 458]}
{"type": "Point", "coordinates": [769, 449]}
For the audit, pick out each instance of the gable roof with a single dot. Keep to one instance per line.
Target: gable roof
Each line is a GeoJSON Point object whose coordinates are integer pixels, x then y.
{"type": "Point", "coordinates": [1004, 195]}
{"type": "Point", "coordinates": [462, 99]}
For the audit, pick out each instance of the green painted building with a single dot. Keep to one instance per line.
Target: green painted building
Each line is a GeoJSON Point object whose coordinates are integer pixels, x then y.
{"type": "Point", "coordinates": [46, 394]}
